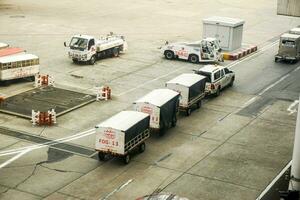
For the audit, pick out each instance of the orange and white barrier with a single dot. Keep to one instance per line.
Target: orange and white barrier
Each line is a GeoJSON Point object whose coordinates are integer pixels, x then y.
{"type": "Point", "coordinates": [239, 54]}
{"type": "Point", "coordinates": [43, 118]}
{"type": "Point", "coordinates": [103, 93]}
{"type": "Point", "coordinates": [43, 80]}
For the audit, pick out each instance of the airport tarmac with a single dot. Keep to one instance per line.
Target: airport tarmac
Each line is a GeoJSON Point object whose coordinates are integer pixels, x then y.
{"type": "Point", "coordinates": [229, 149]}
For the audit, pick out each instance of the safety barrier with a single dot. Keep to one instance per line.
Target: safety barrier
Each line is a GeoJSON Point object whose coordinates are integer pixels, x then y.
{"type": "Point", "coordinates": [43, 80]}
{"type": "Point", "coordinates": [103, 93]}
{"type": "Point", "coordinates": [43, 118]}
{"type": "Point", "coordinates": [239, 54]}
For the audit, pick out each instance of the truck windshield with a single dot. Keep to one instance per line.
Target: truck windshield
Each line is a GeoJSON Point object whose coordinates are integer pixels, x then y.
{"type": "Point", "coordinates": [288, 43]}
{"type": "Point", "coordinates": [206, 74]}
{"type": "Point", "coordinates": [78, 43]}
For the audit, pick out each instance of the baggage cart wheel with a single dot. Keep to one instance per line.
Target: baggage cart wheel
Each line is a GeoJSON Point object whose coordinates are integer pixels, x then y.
{"type": "Point", "coordinates": [101, 156]}
{"type": "Point", "coordinates": [174, 122]}
{"type": "Point", "coordinates": [199, 103]}
{"type": "Point", "coordinates": [32, 78]}
{"type": "Point", "coordinates": [188, 112]}
{"type": "Point", "coordinates": [115, 52]}
{"type": "Point", "coordinates": [93, 60]}
{"type": "Point", "coordinates": [142, 147]}
{"type": "Point", "coordinates": [126, 159]}
{"type": "Point", "coordinates": [169, 55]}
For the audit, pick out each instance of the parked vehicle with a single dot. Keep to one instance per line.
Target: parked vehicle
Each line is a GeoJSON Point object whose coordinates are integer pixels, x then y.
{"type": "Point", "coordinates": [162, 106]}
{"type": "Point", "coordinates": [295, 31]}
{"type": "Point", "coordinates": [3, 45]}
{"type": "Point", "coordinates": [218, 77]}
{"type": "Point", "coordinates": [206, 50]}
{"type": "Point", "coordinates": [88, 49]}
{"type": "Point", "coordinates": [121, 134]}
{"type": "Point", "coordinates": [18, 66]}
{"type": "Point", "coordinates": [191, 88]}
{"type": "Point", "coordinates": [289, 48]}
{"type": "Point", "coordinates": [11, 51]}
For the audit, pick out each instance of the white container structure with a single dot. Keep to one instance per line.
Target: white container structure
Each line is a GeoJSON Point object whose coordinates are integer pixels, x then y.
{"type": "Point", "coordinates": [228, 30]}
{"type": "Point", "coordinates": [122, 133]}
{"type": "Point", "coordinates": [191, 88]}
{"type": "Point", "coordinates": [19, 66]}
{"type": "Point", "coordinates": [162, 106]}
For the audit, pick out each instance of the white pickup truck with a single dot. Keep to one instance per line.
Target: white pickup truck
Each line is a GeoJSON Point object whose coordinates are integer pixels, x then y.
{"type": "Point", "coordinates": [206, 50]}
{"type": "Point", "coordinates": [88, 49]}
{"type": "Point", "coordinates": [218, 77]}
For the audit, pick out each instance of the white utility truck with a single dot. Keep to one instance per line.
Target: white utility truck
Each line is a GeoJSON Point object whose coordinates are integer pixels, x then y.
{"type": "Point", "coordinates": [217, 78]}
{"type": "Point", "coordinates": [18, 66]}
{"type": "Point", "coordinates": [3, 45]}
{"type": "Point", "coordinates": [88, 49]}
{"type": "Point", "coordinates": [121, 134]}
{"type": "Point", "coordinates": [289, 48]}
{"type": "Point", "coordinates": [162, 106]}
{"type": "Point", "coordinates": [191, 88]}
{"type": "Point", "coordinates": [206, 50]}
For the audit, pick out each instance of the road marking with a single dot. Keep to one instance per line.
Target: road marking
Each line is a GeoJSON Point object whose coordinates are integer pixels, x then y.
{"type": "Point", "coordinates": [274, 181]}
{"type": "Point", "coordinates": [14, 158]}
{"type": "Point", "coordinates": [293, 107]}
{"type": "Point", "coordinates": [117, 190]}
{"type": "Point", "coordinates": [150, 81]}
{"type": "Point", "coordinates": [46, 144]}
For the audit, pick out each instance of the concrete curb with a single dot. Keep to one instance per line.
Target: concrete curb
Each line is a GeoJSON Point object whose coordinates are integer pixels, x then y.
{"type": "Point", "coordinates": [239, 54]}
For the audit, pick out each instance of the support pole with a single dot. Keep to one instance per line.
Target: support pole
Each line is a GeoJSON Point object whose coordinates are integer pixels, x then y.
{"type": "Point", "coordinates": [295, 170]}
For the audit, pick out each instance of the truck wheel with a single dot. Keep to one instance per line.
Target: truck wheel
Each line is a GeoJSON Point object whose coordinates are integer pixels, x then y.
{"type": "Point", "coordinates": [174, 122]}
{"type": "Point", "coordinates": [193, 58]}
{"type": "Point", "coordinates": [217, 92]}
{"type": "Point", "coordinates": [101, 156]}
{"type": "Point", "coordinates": [126, 159]}
{"type": "Point", "coordinates": [188, 112]}
{"type": "Point", "coordinates": [93, 60]}
{"type": "Point", "coordinates": [276, 59]}
{"type": "Point", "coordinates": [169, 55]}
{"type": "Point", "coordinates": [32, 78]}
{"type": "Point", "coordinates": [199, 103]}
{"type": "Point", "coordinates": [115, 52]}
{"type": "Point", "coordinates": [142, 147]}
{"type": "Point", "coordinates": [231, 82]}
{"type": "Point", "coordinates": [75, 61]}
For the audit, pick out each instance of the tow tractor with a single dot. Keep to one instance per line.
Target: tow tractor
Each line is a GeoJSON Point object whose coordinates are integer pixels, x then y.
{"type": "Point", "coordinates": [85, 48]}
{"type": "Point", "coordinates": [206, 50]}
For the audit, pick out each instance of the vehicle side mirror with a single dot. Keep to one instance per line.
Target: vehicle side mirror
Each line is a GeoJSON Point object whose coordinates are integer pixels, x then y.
{"type": "Point", "coordinates": [65, 44]}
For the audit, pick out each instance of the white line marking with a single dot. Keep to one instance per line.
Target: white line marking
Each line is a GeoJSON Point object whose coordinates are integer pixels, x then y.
{"type": "Point", "coordinates": [293, 107]}
{"type": "Point", "coordinates": [46, 144]}
{"type": "Point", "coordinates": [274, 181]}
{"type": "Point", "coordinates": [150, 81]}
{"type": "Point", "coordinates": [117, 189]}
{"type": "Point", "coordinates": [14, 158]}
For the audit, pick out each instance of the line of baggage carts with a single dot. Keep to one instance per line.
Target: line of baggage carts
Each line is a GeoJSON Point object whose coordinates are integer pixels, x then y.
{"type": "Point", "coordinates": [126, 132]}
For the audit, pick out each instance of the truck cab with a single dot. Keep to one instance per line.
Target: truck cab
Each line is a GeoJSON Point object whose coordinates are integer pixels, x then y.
{"type": "Point", "coordinates": [81, 48]}
{"type": "Point", "coordinates": [289, 48]}
{"type": "Point", "coordinates": [218, 77]}
{"type": "Point", "coordinates": [84, 48]}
